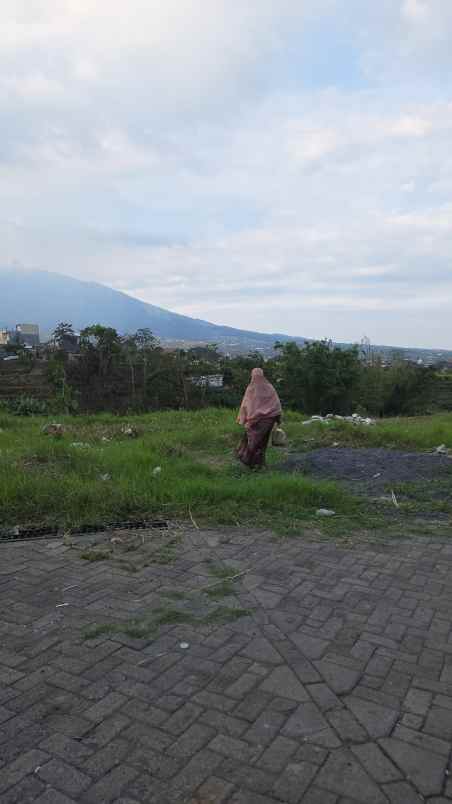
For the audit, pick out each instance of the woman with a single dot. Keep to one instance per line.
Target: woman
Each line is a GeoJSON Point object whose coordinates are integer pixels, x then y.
{"type": "Point", "coordinates": [259, 411]}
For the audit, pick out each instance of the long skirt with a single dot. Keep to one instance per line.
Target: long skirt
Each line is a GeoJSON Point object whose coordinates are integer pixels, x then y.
{"type": "Point", "coordinates": [251, 450]}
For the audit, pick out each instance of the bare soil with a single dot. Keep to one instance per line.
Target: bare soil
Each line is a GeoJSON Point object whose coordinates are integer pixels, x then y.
{"type": "Point", "coordinates": [371, 470]}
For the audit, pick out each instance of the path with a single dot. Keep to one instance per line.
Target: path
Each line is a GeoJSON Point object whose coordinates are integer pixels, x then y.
{"type": "Point", "coordinates": [338, 688]}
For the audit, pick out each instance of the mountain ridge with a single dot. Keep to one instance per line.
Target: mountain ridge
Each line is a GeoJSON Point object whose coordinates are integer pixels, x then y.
{"type": "Point", "coordinates": [46, 298]}
{"type": "Point", "coordinates": [83, 303]}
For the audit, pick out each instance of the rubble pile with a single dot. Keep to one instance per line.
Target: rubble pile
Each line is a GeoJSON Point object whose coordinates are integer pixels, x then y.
{"type": "Point", "coordinates": [355, 418]}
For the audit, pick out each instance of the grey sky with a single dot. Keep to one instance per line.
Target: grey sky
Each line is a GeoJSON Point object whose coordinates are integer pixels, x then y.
{"type": "Point", "coordinates": [276, 164]}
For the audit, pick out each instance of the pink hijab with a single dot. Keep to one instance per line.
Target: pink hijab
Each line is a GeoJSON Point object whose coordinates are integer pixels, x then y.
{"type": "Point", "coordinates": [260, 400]}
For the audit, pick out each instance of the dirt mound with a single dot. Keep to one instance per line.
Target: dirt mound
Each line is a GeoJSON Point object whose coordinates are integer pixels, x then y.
{"type": "Point", "coordinates": [371, 469]}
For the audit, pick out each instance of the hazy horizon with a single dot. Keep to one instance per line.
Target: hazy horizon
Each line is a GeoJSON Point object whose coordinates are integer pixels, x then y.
{"type": "Point", "coordinates": [278, 166]}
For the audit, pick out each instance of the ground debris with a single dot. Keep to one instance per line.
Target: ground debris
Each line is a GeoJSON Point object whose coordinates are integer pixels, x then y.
{"type": "Point", "coordinates": [325, 512]}
{"type": "Point", "coordinates": [355, 418]}
{"type": "Point", "coordinates": [53, 429]}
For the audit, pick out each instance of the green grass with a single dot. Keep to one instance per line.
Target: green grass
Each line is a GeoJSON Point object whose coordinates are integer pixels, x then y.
{"type": "Point", "coordinates": [95, 555]}
{"type": "Point", "coordinates": [148, 626]}
{"type": "Point", "coordinates": [415, 433]}
{"type": "Point", "coordinates": [48, 481]}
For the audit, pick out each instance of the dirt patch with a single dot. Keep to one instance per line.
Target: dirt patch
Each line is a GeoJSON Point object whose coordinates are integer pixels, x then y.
{"type": "Point", "coordinates": [370, 470]}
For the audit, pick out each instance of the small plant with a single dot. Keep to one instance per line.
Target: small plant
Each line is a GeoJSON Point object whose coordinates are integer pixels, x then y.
{"type": "Point", "coordinates": [224, 614]}
{"type": "Point", "coordinates": [28, 406]}
{"type": "Point", "coordinates": [149, 626]}
{"type": "Point", "coordinates": [95, 555]}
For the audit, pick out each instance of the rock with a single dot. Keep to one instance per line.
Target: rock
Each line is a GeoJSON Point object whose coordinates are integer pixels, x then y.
{"type": "Point", "coordinates": [129, 431]}
{"type": "Point", "coordinates": [325, 512]}
{"type": "Point", "coordinates": [442, 450]}
{"type": "Point", "coordinates": [156, 471]}
{"type": "Point", "coordinates": [53, 429]}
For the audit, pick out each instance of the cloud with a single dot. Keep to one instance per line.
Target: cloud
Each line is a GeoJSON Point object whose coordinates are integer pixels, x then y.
{"type": "Point", "coordinates": [179, 151]}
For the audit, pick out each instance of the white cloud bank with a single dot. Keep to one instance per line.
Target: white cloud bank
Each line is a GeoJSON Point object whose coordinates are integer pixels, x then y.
{"type": "Point", "coordinates": [177, 151]}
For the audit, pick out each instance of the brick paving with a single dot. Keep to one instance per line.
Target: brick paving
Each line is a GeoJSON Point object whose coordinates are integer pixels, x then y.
{"type": "Point", "coordinates": [337, 688]}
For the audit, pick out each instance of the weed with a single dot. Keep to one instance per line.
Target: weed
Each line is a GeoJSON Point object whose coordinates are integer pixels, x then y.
{"type": "Point", "coordinates": [148, 626]}
{"type": "Point", "coordinates": [221, 571]}
{"type": "Point", "coordinates": [224, 614]}
{"type": "Point", "coordinates": [95, 555]}
{"type": "Point", "coordinates": [174, 595]}
{"type": "Point", "coordinates": [224, 589]}
{"type": "Point", "coordinates": [94, 631]}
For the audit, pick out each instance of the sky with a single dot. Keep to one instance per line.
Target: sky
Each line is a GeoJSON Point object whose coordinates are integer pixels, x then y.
{"type": "Point", "coordinates": [276, 165]}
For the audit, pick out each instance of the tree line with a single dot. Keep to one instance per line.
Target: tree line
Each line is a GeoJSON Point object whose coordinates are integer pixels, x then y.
{"type": "Point", "coordinates": [103, 370]}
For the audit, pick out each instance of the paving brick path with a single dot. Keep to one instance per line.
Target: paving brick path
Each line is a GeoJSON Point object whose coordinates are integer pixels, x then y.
{"type": "Point", "coordinates": [337, 689]}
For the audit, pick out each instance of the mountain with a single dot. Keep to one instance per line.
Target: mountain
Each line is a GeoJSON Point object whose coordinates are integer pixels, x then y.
{"type": "Point", "coordinates": [44, 298]}
{"type": "Point", "coordinates": [39, 297]}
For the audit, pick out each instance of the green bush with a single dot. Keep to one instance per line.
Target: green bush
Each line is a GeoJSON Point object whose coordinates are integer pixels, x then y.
{"type": "Point", "coordinates": [28, 406]}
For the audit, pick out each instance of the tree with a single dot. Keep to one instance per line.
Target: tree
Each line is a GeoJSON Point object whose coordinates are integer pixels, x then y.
{"type": "Point", "coordinates": [319, 378]}
{"type": "Point", "coordinates": [62, 333]}
{"type": "Point", "coordinates": [103, 343]}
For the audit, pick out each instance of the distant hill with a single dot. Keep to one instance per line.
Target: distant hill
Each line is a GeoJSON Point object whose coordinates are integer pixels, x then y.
{"type": "Point", "coordinates": [44, 298]}
{"type": "Point", "coordinates": [48, 298]}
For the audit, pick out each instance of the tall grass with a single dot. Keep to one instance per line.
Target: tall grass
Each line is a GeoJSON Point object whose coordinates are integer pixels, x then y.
{"type": "Point", "coordinates": [111, 477]}
{"type": "Point", "coordinates": [44, 480]}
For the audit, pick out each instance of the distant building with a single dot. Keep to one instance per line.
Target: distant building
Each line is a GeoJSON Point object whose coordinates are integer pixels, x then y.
{"type": "Point", "coordinates": [28, 334]}
{"type": "Point", "coordinates": [5, 337]}
{"type": "Point", "coordinates": [70, 344]}
{"type": "Point", "coordinates": [208, 381]}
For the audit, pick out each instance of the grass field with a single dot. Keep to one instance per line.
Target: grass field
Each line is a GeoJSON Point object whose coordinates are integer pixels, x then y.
{"type": "Point", "coordinates": [95, 473]}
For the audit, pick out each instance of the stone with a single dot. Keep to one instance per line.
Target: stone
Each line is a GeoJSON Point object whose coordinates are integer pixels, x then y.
{"type": "Point", "coordinates": [421, 740]}
{"type": "Point", "coordinates": [402, 793]}
{"type": "Point", "coordinates": [439, 723]}
{"type": "Point", "coordinates": [339, 679]}
{"type": "Point", "coordinates": [342, 774]}
{"type": "Point", "coordinates": [377, 720]}
{"type": "Point", "coordinates": [324, 697]}
{"type": "Point", "coordinates": [423, 768]}
{"type": "Point", "coordinates": [346, 726]}
{"type": "Point", "coordinates": [213, 791]}
{"type": "Point", "coordinates": [283, 682]}
{"type": "Point", "coordinates": [312, 647]}
{"type": "Point", "coordinates": [64, 777]}
{"type": "Point", "coordinates": [277, 755]}
{"type": "Point", "coordinates": [306, 720]}
{"type": "Point", "coordinates": [376, 763]}
{"type": "Point", "coordinates": [295, 780]}
{"type": "Point", "coordinates": [54, 429]}
{"type": "Point", "coordinates": [261, 650]}
{"type": "Point", "coordinates": [129, 431]}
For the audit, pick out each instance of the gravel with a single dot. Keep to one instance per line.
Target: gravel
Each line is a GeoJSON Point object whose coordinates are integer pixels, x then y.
{"type": "Point", "coordinates": [370, 470]}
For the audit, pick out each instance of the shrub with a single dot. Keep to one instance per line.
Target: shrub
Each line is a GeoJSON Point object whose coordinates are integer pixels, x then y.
{"type": "Point", "coordinates": [28, 406]}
